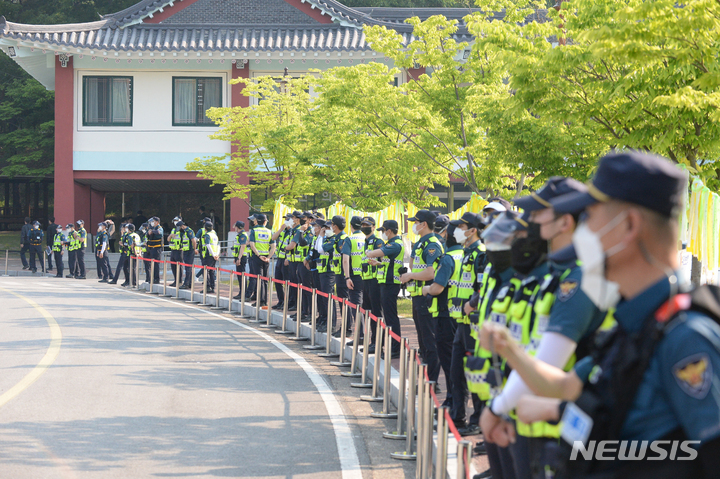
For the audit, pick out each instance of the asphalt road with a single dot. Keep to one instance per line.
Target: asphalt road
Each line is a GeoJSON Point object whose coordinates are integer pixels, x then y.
{"type": "Point", "coordinates": [96, 381]}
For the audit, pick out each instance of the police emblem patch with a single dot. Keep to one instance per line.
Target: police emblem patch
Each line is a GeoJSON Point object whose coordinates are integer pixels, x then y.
{"type": "Point", "coordinates": [431, 251]}
{"type": "Point", "coordinates": [567, 289]}
{"type": "Point", "coordinates": [694, 375]}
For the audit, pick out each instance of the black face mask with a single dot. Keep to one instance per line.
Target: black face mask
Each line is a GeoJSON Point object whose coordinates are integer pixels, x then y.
{"type": "Point", "coordinates": [528, 253]}
{"type": "Point", "coordinates": [366, 230]}
{"type": "Point", "coordinates": [500, 260]}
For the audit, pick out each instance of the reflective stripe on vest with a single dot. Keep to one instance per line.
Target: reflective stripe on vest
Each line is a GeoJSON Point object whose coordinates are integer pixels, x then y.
{"type": "Point", "coordinates": [175, 242]}
{"type": "Point", "coordinates": [281, 244]}
{"type": "Point", "coordinates": [337, 253]}
{"type": "Point", "coordinates": [357, 248]}
{"type": "Point", "coordinates": [57, 242]}
{"type": "Point", "coordinates": [263, 236]}
{"type": "Point", "coordinates": [214, 248]}
{"type": "Point", "coordinates": [415, 287]}
{"type": "Point", "coordinates": [396, 262]}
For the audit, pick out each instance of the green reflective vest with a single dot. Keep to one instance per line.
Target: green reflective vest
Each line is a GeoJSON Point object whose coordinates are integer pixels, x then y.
{"type": "Point", "coordinates": [186, 241]}
{"type": "Point", "coordinates": [337, 253]}
{"type": "Point", "coordinates": [74, 241]}
{"type": "Point", "coordinates": [357, 248]}
{"type": "Point", "coordinates": [454, 281]}
{"type": "Point", "coordinates": [281, 244]}
{"type": "Point", "coordinates": [469, 280]}
{"type": "Point", "coordinates": [418, 265]}
{"type": "Point", "coordinates": [389, 271]}
{"type": "Point", "coordinates": [175, 243]}
{"type": "Point", "coordinates": [134, 240]}
{"type": "Point", "coordinates": [213, 245]}
{"type": "Point", "coordinates": [237, 245]}
{"type": "Point", "coordinates": [324, 262]}
{"type": "Point", "coordinates": [57, 242]}
{"type": "Point", "coordinates": [263, 236]}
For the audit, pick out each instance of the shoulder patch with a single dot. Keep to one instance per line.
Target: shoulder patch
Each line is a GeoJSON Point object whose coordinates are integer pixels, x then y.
{"type": "Point", "coordinates": [567, 289]}
{"type": "Point", "coordinates": [694, 375]}
{"type": "Point", "coordinates": [431, 250]}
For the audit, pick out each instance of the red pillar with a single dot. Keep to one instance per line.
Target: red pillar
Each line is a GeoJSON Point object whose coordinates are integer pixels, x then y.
{"type": "Point", "coordinates": [239, 209]}
{"type": "Point", "coordinates": [97, 208]}
{"type": "Point", "coordinates": [82, 200]}
{"type": "Point", "coordinates": [64, 105]}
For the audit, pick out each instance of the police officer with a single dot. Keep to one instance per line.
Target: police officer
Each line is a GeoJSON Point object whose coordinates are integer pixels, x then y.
{"type": "Point", "coordinates": [352, 254]}
{"type": "Point", "coordinates": [101, 251]}
{"type": "Point", "coordinates": [305, 266]}
{"type": "Point", "coordinates": [188, 244]}
{"type": "Point", "coordinates": [390, 256]}
{"type": "Point", "coordinates": [73, 239]}
{"type": "Point", "coordinates": [424, 253]}
{"type": "Point", "coordinates": [290, 265]}
{"type": "Point", "coordinates": [281, 238]}
{"type": "Point", "coordinates": [24, 243]}
{"type": "Point", "coordinates": [50, 239]}
{"type": "Point", "coordinates": [80, 252]}
{"type": "Point", "coordinates": [175, 251]}
{"type": "Point", "coordinates": [123, 261]}
{"type": "Point", "coordinates": [324, 246]}
{"type": "Point", "coordinates": [58, 243]}
{"type": "Point", "coordinates": [35, 236]}
{"type": "Point", "coordinates": [135, 246]}
{"type": "Point", "coordinates": [154, 244]}
{"type": "Point", "coordinates": [339, 238]}
{"type": "Point", "coordinates": [212, 254]}
{"type": "Point", "coordinates": [372, 300]}
{"type": "Point", "coordinates": [651, 379]}
{"type": "Point", "coordinates": [200, 248]}
{"type": "Point", "coordinates": [240, 253]}
{"type": "Point", "coordinates": [262, 247]}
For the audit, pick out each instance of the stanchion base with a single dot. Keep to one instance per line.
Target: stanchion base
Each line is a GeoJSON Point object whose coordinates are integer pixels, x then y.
{"type": "Point", "coordinates": [341, 364]}
{"type": "Point", "coordinates": [351, 375]}
{"type": "Point", "coordinates": [328, 355]}
{"type": "Point", "coordinates": [268, 326]}
{"type": "Point", "coordinates": [256, 321]}
{"type": "Point", "coordinates": [384, 415]}
{"type": "Point", "coordinates": [360, 385]}
{"type": "Point", "coordinates": [394, 435]}
{"type": "Point", "coordinates": [284, 332]}
{"type": "Point", "coordinates": [154, 292]}
{"type": "Point", "coordinates": [207, 305]}
{"type": "Point", "coordinates": [403, 456]}
{"type": "Point", "coordinates": [301, 338]}
{"type": "Point", "coordinates": [315, 347]}
{"type": "Point", "coordinates": [218, 308]}
{"type": "Point", "coordinates": [192, 302]}
{"type": "Point", "coordinates": [167, 295]}
{"type": "Point", "coordinates": [371, 398]}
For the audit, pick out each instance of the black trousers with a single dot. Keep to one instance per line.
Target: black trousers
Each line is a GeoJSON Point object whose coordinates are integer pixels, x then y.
{"type": "Point", "coordinates": [501, 463]}
{"type": "Point", "coordinates": [153, 253]}
{"type": "Point", "coordinates": [291, 275]}
{"type": "Point", "coordinates": [389, 297]}
{"type": "Point", "coordinates": [341, 290]}
{"type": "Point", "coordinates": [462, 343]}
{"type": "Point", "coordinates": [521, 452]}
{"type": "Point", "coordinates": [372, 301]}
{"type": "Point", "coordinates": [80, 260]}
{"type": "Point", "coordinates": [24, 248]}
{"type": "Point", "coordinates": [426, 325]}
{"type": "Point", "coordinates": [124, 266]}
{"type": "Point", "coordinates": [240, 268]}
{"type": "Point", "coordinates": [188, 259]}
{"type": "Point", "coordinates": [280, 276]}
{"type": "Point", "coordinates": [72, 262]}
{"type": "Point", "coordinates": [327, 285]}
{"type": "Point", "coordinates": [260, 268]}
{"type": "Point", "coordinates": [36, 250]}
{"type": "Point", "coordinates": [306, 279]}
{"type": "Point", "coordinates": [176, 257]}
{"type": "Point", "coordinates": [102, 266]}
{"type": "Point", "coordinates": [210, 261]}
{"type": "Point", "coordinates": [444, 336]}
{"type": "Point", "coordinates": [355, 296]}
{"type": "Point", "coordinates": [59, 263]}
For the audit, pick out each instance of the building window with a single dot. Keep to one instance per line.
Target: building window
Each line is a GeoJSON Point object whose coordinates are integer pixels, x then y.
{"type": "Point", "coordinates": [107, 101]}
{"type": "Point", "coordinates": [192, 97]}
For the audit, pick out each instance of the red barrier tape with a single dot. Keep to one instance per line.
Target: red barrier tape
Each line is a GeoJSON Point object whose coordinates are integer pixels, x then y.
{"type": "Point", "coordinates": [395, 336]}
{"type": "Point", "coordinates": [453, 429]}
{"type": "Point", "coordinates": [324, 295]}
{"type": "Point", "coordinates": [292, 285]}
{"type": "Point", "coordinates": [353, 306]}
{"type": "Point", "coordinates": [305, 288]}
{"type": "Point", "coordinates": [336, 298]}
{"type": "Point", "coordinates": [278, 281]}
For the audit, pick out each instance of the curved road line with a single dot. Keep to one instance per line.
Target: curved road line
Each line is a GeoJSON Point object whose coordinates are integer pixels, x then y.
{"type": "Point", "coordinates": [347, 452]}
{"type": "Point", "coordinates": [52, 352]}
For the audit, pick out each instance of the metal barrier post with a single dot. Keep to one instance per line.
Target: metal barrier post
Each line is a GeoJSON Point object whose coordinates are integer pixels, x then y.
{"type": "Point", "coordinates": [385, 413]}
{"type": "Point", "coordinates": [353, 373]}
{"type": "Point", "coordinates": [258, 287]}
{"type": "Point", "coordinates": [152, 278]}
{"type": "Point", "coordinates": [165, 295]}
{"type": "Point", "coordinates": [192, 287]}
{"type": "Point", "coordinates": [341, 363]}
{"type": "Point", "coordinates": [230, 293]}
{"type": "Point", "coordinates": [374, 397]}
{"type": "Point", "coordinates": [313, 325]}
{"type": "Point", "coordinates": [137, 273]}
{"type": "Point", "coordinates": [177, 276]}
{"type": "Point", "coordinates": [328, 333]}
{"type": "Point", "coordinates": [7, 258]}
{"type": "Point", "coordinates": [420, 418]}
{"type": "Point", "coordinates": [429, 419]}
{"type": "Point", "coordinates": [401, 431]}
{"type": "Point", "coordinates": [363, 370]}
{"type": "Point", "coordinates": [217, 291]}
{"type": "Point", "coordinates": [243, 284]}
{"type": "Point", "coordinates": [408, 453]}
{"type": "Point", "coordinates": [464, 451]}
{"type": "Point", "coordinates": [283, 325]}
{"type": "Point", "coordinates": [443, 429]}
{"type": "Point", "coordinates": [313, 320]}
{"type": "Point", "coordinates": [205, 280]}
{"type": "Point", "coordinates": [44, 265]}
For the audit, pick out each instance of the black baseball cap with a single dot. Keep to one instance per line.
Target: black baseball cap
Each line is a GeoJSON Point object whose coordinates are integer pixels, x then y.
{"type": "Point", "coordinates": [390, 225]}
{"type": "Point", "coordinates": [208, 224]}
{"type": "Point", "coordinates": [338, 221]}
{"type": "Point", "coordinates": [319, 222]}
{"type": "Point", "coordinates": [441, 222]}
{"type": "Point", "coordinates": [240, 224]}
{"type": "Point", "coordinates": [180, 223]}
{"type": "Point", "coordinates": [260, 217]}
{"type": "Point", "coordinates": [288, 216]}
{"type": "Point", "coordinates": [553, 188]}
{"type": "Point", "coordinates": [369, 220]}
{"type": "Point", "coordinates": [473, 220]}
{"type": "Point", "coordinates": [297, 214]}
{"type": "Point", "coordinates": [356, 221]}
{"type": "Point", "coordinates": [635, 177]}
{"type": "Point", "coordinates": [424, 216]}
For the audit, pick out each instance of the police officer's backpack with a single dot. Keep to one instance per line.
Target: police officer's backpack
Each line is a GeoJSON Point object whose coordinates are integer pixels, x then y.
{"type": "Point", "coordinates": [35, 236]}
{"type": "Point", "coordinates": [607, 398]}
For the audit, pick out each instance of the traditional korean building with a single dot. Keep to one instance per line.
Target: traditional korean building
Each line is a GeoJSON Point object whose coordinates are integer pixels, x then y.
{"type": "Point", "coordinates": [132, 88]}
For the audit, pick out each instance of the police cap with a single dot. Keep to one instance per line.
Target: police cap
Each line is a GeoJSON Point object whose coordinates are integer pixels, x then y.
{"type": "Point", "coordinates": [356, 221]}
{"type": "Point", "coordinates": [80, 222]}
{"type": "Point", "coordinates": [473, 220]}
{"type": "Point", "coordinates": [131, 227]}
{"type": "Point", "coordinates": [250, 218]}
{"type": "Point", "coordinates": [59, 227]}
{"type": "Point", "coordinates": [69, 225]}
{"type": "Point", "coordinates": [368, 220]}
{"type": "Point", "coordinates": [553, 188]}
{"type": "Point", "coordinates": [390, 225]}
{"type": "Point", "coordinates": [260, 217]}
{"type": "Point", "coordinates": [338, 221]}
{"type": "Point", "coordinates": [441, 222]}
{"type": "Point", "coordinates": [102, 224]}
{"type": "Point", "coordinates": [424, 216]}
{"type": "Point", "coordinates": [635, 177]}
{"type": "Point", "coordinates": [288, 216]}
{"type": "Point", "coordinates": [36, 223]}
{"type": "Point", "coordinates": [319, 222]}
{"type": "Point", "coordinates": [297, 214]}
{"type": "Point", "coordinates": [240, 224]}
{"type": "Point", "coordinates": [180, 223]}
{"type": "Point", "coordinates": [208, 225]}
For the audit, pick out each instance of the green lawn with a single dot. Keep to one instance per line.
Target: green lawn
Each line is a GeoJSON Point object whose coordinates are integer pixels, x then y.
{"type": "Point", "coordinates": [404, 308]}
{"type": "Point", "coordinates": [9, 240]}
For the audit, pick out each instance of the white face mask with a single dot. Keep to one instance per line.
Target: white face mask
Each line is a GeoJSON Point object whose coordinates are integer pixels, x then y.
{"type": "Point", "coordinates": [416, 229]}
{"type": "Point", "coordinates": [460, 236]}
{"type": "Point", "coordinates": [289, 223]}
{"type": "Point", "coordinates": [384, 237]}
{"type": "Point", "coordinates": [603, 293]}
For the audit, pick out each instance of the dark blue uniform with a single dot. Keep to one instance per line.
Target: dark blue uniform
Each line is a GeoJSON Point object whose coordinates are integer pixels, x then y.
{"type": "Point", "coordinates": [35, 237]}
